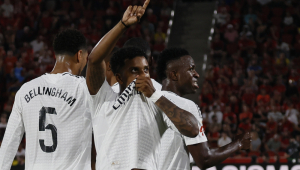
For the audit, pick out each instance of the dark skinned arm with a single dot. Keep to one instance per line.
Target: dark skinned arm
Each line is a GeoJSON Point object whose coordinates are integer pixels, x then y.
{"type": "Point", "coordinates": [206, 158]}
{"type": "Point", "coordinates": [185, 122]}
{"type": "Point", "coordinates": [95, 74]}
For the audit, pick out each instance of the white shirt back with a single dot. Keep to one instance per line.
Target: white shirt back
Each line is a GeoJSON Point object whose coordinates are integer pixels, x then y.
{"type": "Point", "coordinates": [173, 153]}
{"type": "Point", "coordinates": [52, 110]}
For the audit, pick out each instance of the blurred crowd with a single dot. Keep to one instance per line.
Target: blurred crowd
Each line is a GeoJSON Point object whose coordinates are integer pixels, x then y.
{"type": "Point", "coordinates": [254, 81]}
{"type": "Point", "coordinates": [27, 28]}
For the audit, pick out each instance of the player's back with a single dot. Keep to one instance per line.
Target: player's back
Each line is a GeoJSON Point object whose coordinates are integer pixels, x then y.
{"type": "Point", "coordinates": [57, 122]}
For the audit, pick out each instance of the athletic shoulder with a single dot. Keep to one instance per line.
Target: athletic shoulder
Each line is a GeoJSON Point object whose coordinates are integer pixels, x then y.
{"type": "Point", "coordinates": [183, 103]}
{"type": "Point", "coordinates": [175, 98]}
{"type": "Point", "coordinates": [29, 84]}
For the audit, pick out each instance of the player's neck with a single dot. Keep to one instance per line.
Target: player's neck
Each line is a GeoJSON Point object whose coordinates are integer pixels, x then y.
{"type": "Point", "coordinates": [64, 64]}
{"type": "Point", "coordinates": [168, 85]}
{"type": "Point", "coordinates": [111, 79]}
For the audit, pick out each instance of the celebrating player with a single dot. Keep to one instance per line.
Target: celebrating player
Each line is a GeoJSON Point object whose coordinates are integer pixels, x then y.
{"type": "Point", "coordinates": [51, 109]}
{"type": "Point", "coordinates": [176, 70]}
{"type": "Point", "coordinates": [128, 127]}
{"type": "Point", "coordinates": [145, 47]}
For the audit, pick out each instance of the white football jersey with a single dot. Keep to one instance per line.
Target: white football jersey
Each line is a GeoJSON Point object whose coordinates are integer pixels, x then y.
{"type": "Point", "coordinates": [174, 154]}
{"type": "Point", "coordinates": [134, 126]}
{"type": "Point", "coordinates": [53, 113]}
{"type": "Point", "coordinates": [116, 87]}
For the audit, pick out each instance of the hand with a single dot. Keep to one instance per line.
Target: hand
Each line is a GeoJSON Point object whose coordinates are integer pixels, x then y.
{"type": "Point", "coordinates": [144, 85]}
{"type": "Point", "coordinates": [133, 14]}
{"type": "Point", "coordinates": [244, 140]}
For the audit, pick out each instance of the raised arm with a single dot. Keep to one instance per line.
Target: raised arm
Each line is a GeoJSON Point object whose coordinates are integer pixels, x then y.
{"type": "Point", "coordinates": [205, 157]}
{"type": "Point", "coordinates": [95, 74]}
{"type": "Point", "coordinates": [185, 122]}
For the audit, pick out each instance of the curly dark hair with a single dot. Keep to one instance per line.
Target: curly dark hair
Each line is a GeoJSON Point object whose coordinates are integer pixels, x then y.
{"type": "Point", "coordinates": [118, 59]}
{"type": "Point", "coordinates": [69, 42]}
{"type": "Point", "coordinates": [139, 43]}
{"type": "Point", "coordinates": [165, 57]}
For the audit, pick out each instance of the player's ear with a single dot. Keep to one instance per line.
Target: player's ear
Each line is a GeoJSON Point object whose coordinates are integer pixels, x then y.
{"type": "Point", "coordinates": [108, 67]}
{"type": "Point", "coordinates": [118, 78]}
{"type": "Point", "coordinates": [173, 75]}
{"type": "Point", "coordinates": [79, 56]}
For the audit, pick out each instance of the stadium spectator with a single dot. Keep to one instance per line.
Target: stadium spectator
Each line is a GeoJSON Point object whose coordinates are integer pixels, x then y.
{"type": "Point", "coordinates": [229, 117]}
{"type": "Point", "coordinates": [37, 44]}
{"type": "Point", "coordinates": [250, 16]}
{"type": "Point", "coordinates": [224, 140]}
{"type": "Point", "coordinates": [20, 163]}
{"type": "Point", "coordinates": [273, 144]}
{"type": "Point", "coordinates": [256, 142]}
{"type": "Point", "coordinates": [288, 19]}
{"type": "Point", "coordinates": [292, 114]}
{"type": "Point", "coordinates": [217, 47]}
{"type": "Point", "coordinates": [245, 125]}
{"type": "Point", "coordinates": [263, 96]}
{"type": "Point", "coordinates": [215, 123]}
{"type": "Point", "coordinates": [271, 127]}
{"type": "Point", "coordinates": [231, 35]}
{"type": "Point", "coordinates": [18, 71]}
{"type": "Point", "coordinates": [285, 140]}
{"type": "Point", "coordinates": [217, 113]}
{"type": "Point", "coordinates": [228, 130]}
{"type": "Point", "coordinates": [246, 114]}
{"type": "Point", "coordinates": [7, 9]}
{"type": "Point", "coordinates": [213, 137]}
{"type": "Point", "coordinates": [9, 62]}
{"type": "Point", "coordinates": [293, 151]}
{"type": "Point", "coordinates": [275, 114]}
{"type": "Point", "coordinates": [3, 120]}
{"type": "Point", "coordinates": [222, 17]}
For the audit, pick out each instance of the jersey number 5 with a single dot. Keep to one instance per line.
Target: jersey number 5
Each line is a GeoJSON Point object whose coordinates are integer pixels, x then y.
{"type": "Point", "coordinates": [42, 119]}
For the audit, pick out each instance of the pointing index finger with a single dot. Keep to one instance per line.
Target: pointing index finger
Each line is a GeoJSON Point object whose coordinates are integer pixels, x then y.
{"type": "Point", "coordinates": [146, 4]}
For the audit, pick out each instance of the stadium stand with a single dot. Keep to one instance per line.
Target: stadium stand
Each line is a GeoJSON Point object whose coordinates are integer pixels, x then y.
{"type": "Point", "coordinates": [254, 81]}
{"type": "Point", "coordinates": [27, 28]}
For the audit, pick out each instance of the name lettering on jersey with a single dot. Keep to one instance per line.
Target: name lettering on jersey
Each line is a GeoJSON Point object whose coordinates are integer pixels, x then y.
{"type": "Point", "coordinates": [126, 95]}
{"type": "Point", "coordinates": [52, 92]}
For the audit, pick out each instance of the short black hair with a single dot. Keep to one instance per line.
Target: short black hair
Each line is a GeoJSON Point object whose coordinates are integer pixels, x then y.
{"type": "Point", "coordinates": [69, 42]}
{"type": "Point", "coordinates": [118, 59]}
{"type": "Point", "coordinates": [165, 57]}
{"type": "Point", "coordinates": [139, 43]}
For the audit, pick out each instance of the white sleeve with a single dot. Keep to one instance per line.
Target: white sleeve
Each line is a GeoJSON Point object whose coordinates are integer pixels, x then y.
{"type": "Point", "coordinates": [13, 136]}
{"type": "Point", "coordinates": [95, 101]}
{"type": "Point", "coordinates": [193, 109]}
{"type": "Point", "coordinates": [219, 142]}
{"type": "Point", "coordinates": [156, 85]}
{"type": "Point", "coordinates": [201, 137]}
